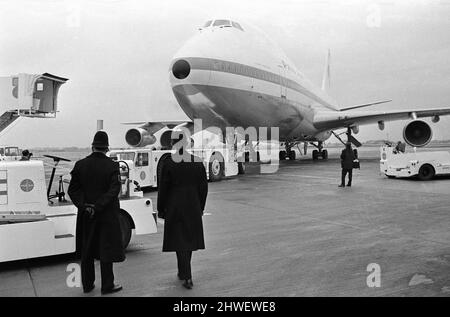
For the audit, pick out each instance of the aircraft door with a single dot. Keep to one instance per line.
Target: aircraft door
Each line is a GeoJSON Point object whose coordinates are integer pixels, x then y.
{"type": "Point", "coordinates": [283, 80]}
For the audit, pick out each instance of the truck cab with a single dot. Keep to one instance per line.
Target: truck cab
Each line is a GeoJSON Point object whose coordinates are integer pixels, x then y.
{"type": "Point", "coordinates": [10, 153]}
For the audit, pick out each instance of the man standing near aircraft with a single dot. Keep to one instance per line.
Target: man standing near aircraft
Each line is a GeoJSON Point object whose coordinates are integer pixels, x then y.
{"type": "Point", "coordinates": [347, 157]}
{"type": "Point", "coordinates": [182, 191]}
{"type": "Point", "coordinates": [94, 190]}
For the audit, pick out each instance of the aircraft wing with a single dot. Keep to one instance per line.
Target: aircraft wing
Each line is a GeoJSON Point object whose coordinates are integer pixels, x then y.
{"type": "Point", "coordinates": [329, 120]}
{"type": "Point", "coordinates": [154, 126]}
{"type": "Point", "coordinates": [172, 123]}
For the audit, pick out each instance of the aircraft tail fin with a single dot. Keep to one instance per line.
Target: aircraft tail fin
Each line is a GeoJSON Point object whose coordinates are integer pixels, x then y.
{"type": "Point", "coordinates": [326, 82]}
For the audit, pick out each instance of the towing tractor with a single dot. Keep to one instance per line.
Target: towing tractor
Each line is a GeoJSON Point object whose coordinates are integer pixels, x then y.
{"type": "Point", "coordinates": [34, 223]}
{"type": "Point", "coordinates": [423, 165]}
{"type": "Point", "coordinates": [147, 163]}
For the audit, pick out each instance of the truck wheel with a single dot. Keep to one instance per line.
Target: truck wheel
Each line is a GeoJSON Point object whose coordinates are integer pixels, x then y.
{"type": "Point", "coordinates": [426, 172]}
{"type": "Point", "coordinates": [390, 176]}
{"type": "Point", "coordinates": [241, 168]}
{"type": "Point", "coordinates": [216, 167]}
{"type": "Point", "coordinates": [125, 227]}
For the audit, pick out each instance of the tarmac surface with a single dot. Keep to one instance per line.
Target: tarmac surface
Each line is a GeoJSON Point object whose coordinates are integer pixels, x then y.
{"type": "Point", "coordinates": [291, 233]}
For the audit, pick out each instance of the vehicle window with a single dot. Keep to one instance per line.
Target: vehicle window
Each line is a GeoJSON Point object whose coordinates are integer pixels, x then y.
{"type": "Point", "coordinates": [2, 151]}
{"type": "Point", "coordinates": [221, 23]}
{"type": "Point", "coordinates": [142, 159]}
{"type": "Point", "coordinates": [12, 151]}
{"type": "Point", "coordinates": [127, 156]}
{"type": "Point", "coordinates": [237, 25]}
{"type": "Point", "coordinates": [208, 23]}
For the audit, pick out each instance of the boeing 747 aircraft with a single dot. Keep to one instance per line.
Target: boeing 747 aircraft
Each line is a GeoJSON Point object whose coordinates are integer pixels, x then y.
{"type": "Point", "coordinates": [231, 75]}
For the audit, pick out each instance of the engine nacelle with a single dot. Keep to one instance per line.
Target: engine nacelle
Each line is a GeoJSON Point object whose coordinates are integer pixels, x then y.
{"type": "Point", "coordinates": [138, 137]}
{"type": "Point", "coordinates": [322, 136]}
{"type": "Point", "coordinates": [166, 139]}
{"type": "Point", "coordinates": [417, 133]}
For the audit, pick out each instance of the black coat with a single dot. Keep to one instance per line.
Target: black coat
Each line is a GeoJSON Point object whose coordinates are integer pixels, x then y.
{"type": "Point", "coordinates": [347, 157]}
{"type": "Point", "coordinates": [182, 191]}
{"type": "Point", "coordinates": [96, 180]}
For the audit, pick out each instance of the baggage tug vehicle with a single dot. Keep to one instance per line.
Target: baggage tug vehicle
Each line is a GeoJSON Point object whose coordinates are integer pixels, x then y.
{"type": "Point", "coordinates": [423, 165]}
{"type": "Point", "coordinates": [33, 225]}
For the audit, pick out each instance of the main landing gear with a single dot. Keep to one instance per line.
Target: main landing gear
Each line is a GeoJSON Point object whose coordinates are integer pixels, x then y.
{"type": "Point", "coordinates": [320, 152]}
{"type": "Point", "coordinates": [288, 152]}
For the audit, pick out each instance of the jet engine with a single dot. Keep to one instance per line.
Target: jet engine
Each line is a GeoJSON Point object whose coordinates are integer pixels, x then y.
{"type": "Point", "coordinates": [158, 135]}
{"type": "Point", "coordinates": [417, 133]}
{"type": "Point", "coordinates": [140, 137]}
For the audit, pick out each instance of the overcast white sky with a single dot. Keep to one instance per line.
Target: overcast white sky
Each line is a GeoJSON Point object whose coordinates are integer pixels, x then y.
{"type": "Point", "coordinates": [116, 54]}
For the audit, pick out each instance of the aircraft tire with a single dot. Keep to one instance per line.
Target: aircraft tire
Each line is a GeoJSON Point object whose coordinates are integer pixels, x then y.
{"type": "Point", "coordinates": [241, 168]}
{"type": "Point", "coordinates": [282, 155]}
{"type": "Point", "coordinates": [315, 155]}
{"type": "Point", "coordinates": [325, 154]}
{"type": "Point", "coordinates": [291, 155]}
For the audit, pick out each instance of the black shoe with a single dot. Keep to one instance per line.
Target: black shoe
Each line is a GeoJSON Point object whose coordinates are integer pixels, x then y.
{"type": "Point", "coordinates": [179, 277]}
{"type": "Point", "coordinates": [88, 289]}
{"type": "Point", "coordinates": [188, 283]}
{"type": "Point", "coordinates": [349, 185]}
{"type": "Point", "coordinates": [114, 289]}
{"type": "Point", "coordinates": [341, 185]}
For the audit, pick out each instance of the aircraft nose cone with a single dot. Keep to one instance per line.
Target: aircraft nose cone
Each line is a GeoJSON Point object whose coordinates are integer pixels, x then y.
{"type": "Point", "coordinates": [181, 69]}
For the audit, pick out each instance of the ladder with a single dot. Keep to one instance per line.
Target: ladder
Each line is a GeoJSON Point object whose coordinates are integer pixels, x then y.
{"type": "Point", "coordinates": [7, 118]}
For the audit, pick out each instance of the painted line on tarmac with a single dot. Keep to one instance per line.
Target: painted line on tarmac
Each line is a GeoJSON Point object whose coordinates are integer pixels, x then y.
{"type": "Point", "coordinates": [226, 191]}
{"type": "Point", "coordinates": [161, 221]}
{"type": "Point", "coordinates": [311, 176]}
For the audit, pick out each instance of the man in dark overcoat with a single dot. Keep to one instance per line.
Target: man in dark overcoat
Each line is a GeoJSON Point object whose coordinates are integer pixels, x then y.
{"type": "Point", "coordinates": [182, 191]}
{"type": "Point", "coordinates": [94, 189]}
{"type": "Point", "coordinates": [347, 157]}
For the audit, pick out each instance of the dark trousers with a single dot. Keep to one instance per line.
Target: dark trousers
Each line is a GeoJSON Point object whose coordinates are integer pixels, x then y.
{"type": "Point", "coordinates": [88, 273]}
{"type": "Point", "coordinates": [344, 172]}
{"type": "Point", "coordinates": [184, 264]}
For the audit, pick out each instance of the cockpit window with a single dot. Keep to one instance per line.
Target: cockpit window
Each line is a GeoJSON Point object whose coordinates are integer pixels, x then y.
{"type": "Point", "coordinates": [237, 25]}
{"type": "Point", "coordinates": [222, 23]}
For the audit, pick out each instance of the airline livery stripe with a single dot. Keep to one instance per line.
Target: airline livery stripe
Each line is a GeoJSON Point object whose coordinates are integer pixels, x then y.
{"type": "Point", "coordinates": [201, 63]}
{"type": "Point", "coordinates": [3, 181]}
{"type": "Point", "coordinates": [3, 193]}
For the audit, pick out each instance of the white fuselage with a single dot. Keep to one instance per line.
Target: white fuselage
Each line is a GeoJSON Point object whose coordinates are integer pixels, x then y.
{"type": "Point", "coordinates": [240, 78]}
